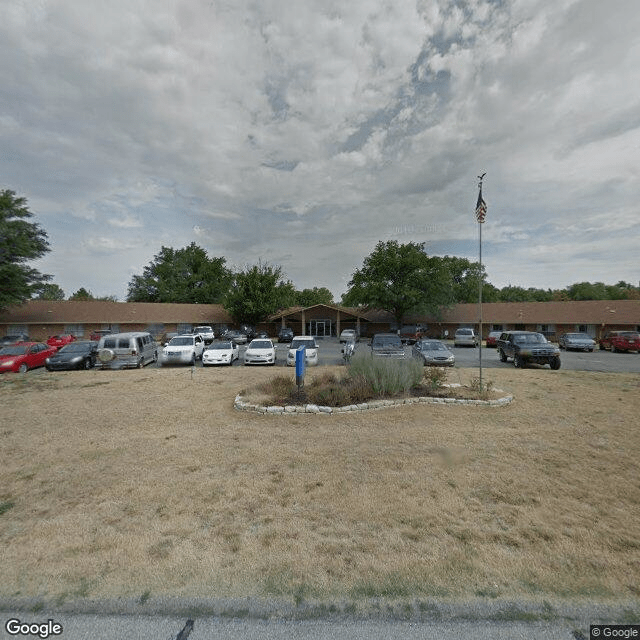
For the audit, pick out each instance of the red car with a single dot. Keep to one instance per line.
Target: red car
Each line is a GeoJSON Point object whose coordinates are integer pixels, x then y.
{"type": "Point", "coordinates": [492, 339]}
{"type": "Point", "coordinates": [621, 341]}
{"type": "Point", "coordinates": [60, 341]}
{"type": "Point", "coordinates": [24, 356]}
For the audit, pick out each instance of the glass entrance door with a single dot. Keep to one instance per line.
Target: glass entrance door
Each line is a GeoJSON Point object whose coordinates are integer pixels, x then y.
{"type": "Point", "coordinates": [319, 328]}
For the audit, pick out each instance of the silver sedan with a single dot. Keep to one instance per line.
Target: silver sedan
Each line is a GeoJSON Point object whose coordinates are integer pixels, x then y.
{"type": "Point", "coordinates": [433, 353]}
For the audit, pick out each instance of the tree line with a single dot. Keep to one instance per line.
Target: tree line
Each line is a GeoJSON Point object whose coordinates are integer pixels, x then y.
{"type": "Point", "coordinates": [400, 278]}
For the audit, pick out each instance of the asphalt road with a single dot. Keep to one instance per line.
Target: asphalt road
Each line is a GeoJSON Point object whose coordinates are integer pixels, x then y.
{"type": "Point", "coordinates": [605, 361]}
{"type": "Point", "coordinates": [159, 627]}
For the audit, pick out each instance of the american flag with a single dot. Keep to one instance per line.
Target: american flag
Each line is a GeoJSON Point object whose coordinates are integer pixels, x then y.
{"type": "Point", "coordinates": [481, 207]}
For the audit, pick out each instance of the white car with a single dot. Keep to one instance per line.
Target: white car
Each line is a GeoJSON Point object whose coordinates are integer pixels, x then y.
{"type": "Point", "coordinates": [221, 352]}
{"type": "Point", "coordinates": [183, 350]}
{"type": "Point", "coordinates": [310, 350]}
{"type": "Point", "coordinates": [348, 335]}
{"type": "Point", "coordinates": [260, 351]}
{"type": "Point", "coordinates": [206, 332]}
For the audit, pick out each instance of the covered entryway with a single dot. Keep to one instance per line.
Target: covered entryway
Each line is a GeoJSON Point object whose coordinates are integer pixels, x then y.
{"type": "Point", "coordinates": [319, 328]}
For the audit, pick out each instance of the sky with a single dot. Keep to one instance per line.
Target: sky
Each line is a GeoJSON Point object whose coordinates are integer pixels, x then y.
{"type": "Point", "coordinates": [303, 133]}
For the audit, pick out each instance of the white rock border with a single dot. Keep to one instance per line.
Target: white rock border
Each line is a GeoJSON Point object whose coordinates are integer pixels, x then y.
{"type": "Point", "coordinates": [241, 405]}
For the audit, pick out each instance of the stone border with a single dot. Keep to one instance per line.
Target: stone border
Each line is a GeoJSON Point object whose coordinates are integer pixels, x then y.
{"type": "Point", "coordinates": [241, 405]}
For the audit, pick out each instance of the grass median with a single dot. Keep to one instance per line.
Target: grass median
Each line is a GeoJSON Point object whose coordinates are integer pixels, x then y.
{"type": "Point", "coordinates": [147, 483]}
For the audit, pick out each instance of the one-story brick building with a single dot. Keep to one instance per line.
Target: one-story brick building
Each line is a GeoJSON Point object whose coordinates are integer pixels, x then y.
{"type": "Point", "coordinates": [40, 318]}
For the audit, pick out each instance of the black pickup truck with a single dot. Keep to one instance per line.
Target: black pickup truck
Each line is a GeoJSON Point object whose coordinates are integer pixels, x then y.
{"type": "Point", "coordinates": [527, 347]}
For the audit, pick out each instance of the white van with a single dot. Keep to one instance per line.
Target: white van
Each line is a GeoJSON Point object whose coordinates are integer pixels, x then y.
{"type": "Point", "coordinates": [132, 349]}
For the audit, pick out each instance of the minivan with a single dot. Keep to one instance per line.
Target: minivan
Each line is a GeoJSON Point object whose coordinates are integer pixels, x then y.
{"type": "Point", "coordinates": [465, 336]}
{"type": "Point", "coordinates": [132, 349]}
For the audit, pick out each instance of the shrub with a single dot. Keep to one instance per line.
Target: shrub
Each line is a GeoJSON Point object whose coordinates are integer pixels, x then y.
{"type": "Point", "coordinates": [386, 377]}
{"type": "Point", "coordinates": [435, 377]}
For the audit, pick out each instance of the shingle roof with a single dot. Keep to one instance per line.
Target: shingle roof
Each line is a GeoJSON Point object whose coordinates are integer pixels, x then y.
{"type": "Point", "coordinates": [100, 311]}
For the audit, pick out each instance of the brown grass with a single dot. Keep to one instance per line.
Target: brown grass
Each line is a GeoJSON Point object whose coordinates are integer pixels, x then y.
{"type": "Point", "coordinates": [144, 483]}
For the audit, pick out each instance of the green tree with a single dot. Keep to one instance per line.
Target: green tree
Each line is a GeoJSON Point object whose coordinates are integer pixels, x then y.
{"type": "Point", "coordinates": [49, 291]}
{"type": "Point", "coordinates": [309, 297]}
{"type": "Point", "coordinates": [181, 275]}
{"type": "Point", "coordinates": [81, 294]}
{"type": "Point", "coordinates": [20, 241]}
{"type": "Point", "coordinates": [401, 279]}
{"type": "Point", "coordinates": [257, 292]}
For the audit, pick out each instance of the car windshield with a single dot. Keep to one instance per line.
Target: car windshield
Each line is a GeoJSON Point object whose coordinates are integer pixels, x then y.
{"type": "Point", "coordinates": [464, 332]}
{"type": "Point", "coordinates": [16, 350]}
{"type": "Point", "coordinates": [74, 346]}
{"type": "Point", "coordinates": [533, 338]}
{"type": "Point", "coordinates": [630, 334]}
{"type": "Point", "coordinates": [387, 341]}
{"type": "Point", "coordinates": [181, 341]}
{"type": "Point", "coordinates": [202, 330]}
{"type": "Point", "coordinates": [578, 336]}
{"type": "Point", "coordinates": [433, 346]}
{"type": "Point", "coordinates": [219, 346]}
{"type": "Point", "coordinates": [260, 344]}
{"type": "Point", "coordinates": [306, 343]}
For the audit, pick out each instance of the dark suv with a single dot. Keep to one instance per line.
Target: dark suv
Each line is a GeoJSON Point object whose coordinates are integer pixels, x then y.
{"type": "Point", "coordinates": [387, 345]}
{"type": "Point", "coordinates": [527, 347]}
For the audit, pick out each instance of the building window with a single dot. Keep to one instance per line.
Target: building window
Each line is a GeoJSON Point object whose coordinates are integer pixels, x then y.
{"type": "Point", "coordinates": [496, 327]}
{"type": "Point", "coordinates": [17, 329]}
{"type": "Point", "coordinates": [156, 329]}
{"type": "Point", "coordinates": [76, 330]}
{"type": "Point", "coordinates": [184, 327]}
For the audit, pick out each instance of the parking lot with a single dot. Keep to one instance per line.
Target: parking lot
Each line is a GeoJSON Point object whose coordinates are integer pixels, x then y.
{"type": "Point", "coordinates": [605, 361]}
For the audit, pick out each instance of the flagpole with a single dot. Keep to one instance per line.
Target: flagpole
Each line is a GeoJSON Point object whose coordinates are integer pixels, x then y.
{"type": "Point", "coordinates": [481, 210]}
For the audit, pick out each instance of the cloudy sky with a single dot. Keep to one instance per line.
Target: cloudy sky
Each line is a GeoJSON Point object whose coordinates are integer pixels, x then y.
{"type": "Point", "coordinates": [302, 133]}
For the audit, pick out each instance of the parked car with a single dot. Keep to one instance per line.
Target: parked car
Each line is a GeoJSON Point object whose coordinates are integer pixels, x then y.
{"type": "Point", "coordinates": [433, 353]}
{"type": "Point", "coordinates": [260, 351]}
{"type": "Point", "coordinates": [220, 352]}
{"type": "Point", "coordinates": [206, 332]}
{"type": "Point", "coordinates": [492, 338]}
{"type": "Point", "coordinates": [249, 331]}
{"type": "Point", "coordinates": [60, 341]}
{"type": "Point", "coordinates": [348, 335]}
{"type": "Point", "coordinates": [621, 341]}
{"type": "Point", "coordinates": [128, 349]}
{"type": "Point", "coordinates": [23, 356]}
{"type": "Point", "coordinates": [577, 341]}
{"type": "Point", "coordinates": [237, 336]}
{"type": "Point", "coordinates": [262, 334]}
{"type": "Point", "coordinates": [387, 345]}
{"type": "Point", "coordinates": [76, 355]}
{"type": "Point", "coordinates": [410, 333]}
{"type": "Point", "coordinates": [285, 334]}
{"type": "Point", "coordinates": [527, 347]}
{"type": "Point", "coordinates": [310, 350]}
{"type": "Point", "coordinates": [185, 349]}
{"type": "Point", "coordinates": [465, 337]}
{"type": "Point", "coordinates": [6, 341]}
{"type": "Point", "coordinates": [98, 333]}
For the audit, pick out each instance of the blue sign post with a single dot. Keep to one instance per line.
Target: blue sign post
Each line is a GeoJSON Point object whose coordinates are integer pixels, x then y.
{"type": "Point", "coordinates": [300, 365]}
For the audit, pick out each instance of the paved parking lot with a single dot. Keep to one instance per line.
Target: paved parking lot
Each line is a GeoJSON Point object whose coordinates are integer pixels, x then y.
{"type": "Point", "coordinates": [329, 354]}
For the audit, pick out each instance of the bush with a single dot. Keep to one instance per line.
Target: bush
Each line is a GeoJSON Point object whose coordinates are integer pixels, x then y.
{"type": "Point", "coordinates": [386, 377]}
{"type": "Point", "coordinates": [435, 377]}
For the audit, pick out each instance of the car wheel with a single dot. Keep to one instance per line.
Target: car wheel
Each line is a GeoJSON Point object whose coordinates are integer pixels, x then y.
{"type": "Point", "coordinates": [503, 357]}
{"type": "Point", "coordinates": [555, 363]}
{"type": "Point", "coordinates": [518, 361]}
{"type": "Point", "coordinates": [23, 368]}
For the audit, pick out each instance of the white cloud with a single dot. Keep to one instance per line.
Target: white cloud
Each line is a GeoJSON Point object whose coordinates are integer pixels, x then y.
{"type": "Point", "coordinates": [209, 119]}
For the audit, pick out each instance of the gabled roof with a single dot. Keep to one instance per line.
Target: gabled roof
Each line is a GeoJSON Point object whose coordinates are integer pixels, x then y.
{"type": "Point", "coordinates": [334, 307]}
{"type": "Point", "coordinates": [105, 312]}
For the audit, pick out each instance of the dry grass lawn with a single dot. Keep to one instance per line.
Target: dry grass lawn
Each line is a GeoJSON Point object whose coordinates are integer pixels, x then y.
{"type": "Point", "coordinates": [147, 483]}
